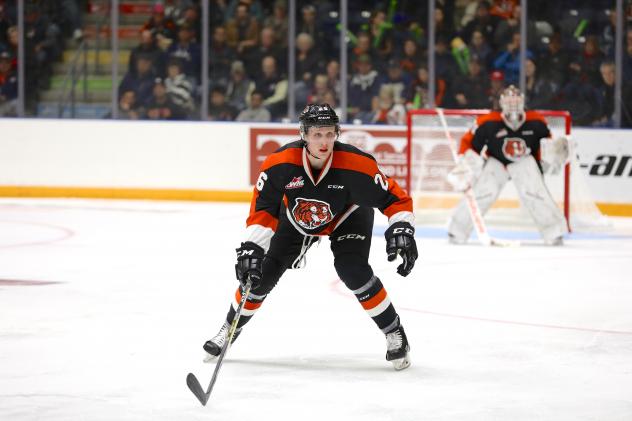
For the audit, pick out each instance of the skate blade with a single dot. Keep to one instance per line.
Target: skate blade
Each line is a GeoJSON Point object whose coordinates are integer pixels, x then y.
{"type": "Point", "coordinates": [401, 363]}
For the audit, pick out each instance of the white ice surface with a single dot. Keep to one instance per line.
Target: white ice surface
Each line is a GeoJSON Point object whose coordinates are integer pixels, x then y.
{"type": "Point", "coordinates": [529, 333]}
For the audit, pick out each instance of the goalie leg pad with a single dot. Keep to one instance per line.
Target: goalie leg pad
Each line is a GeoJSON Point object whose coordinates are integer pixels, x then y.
{"type": "Point", "coordinates": [537, 199]}
{"type": "Point", "coordinates": [486, 189]}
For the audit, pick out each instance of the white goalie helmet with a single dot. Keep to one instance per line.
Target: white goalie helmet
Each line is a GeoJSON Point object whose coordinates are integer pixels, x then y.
{"type": "Point", "coordinates": [512, 107]}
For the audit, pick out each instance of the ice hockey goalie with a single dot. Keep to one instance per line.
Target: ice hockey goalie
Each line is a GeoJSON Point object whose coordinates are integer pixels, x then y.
{"type": "Point", "coordinates": [503, 146]}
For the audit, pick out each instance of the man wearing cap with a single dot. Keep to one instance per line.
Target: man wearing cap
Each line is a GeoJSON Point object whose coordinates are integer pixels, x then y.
{"type": "Point", "coordinates": [363, 87]}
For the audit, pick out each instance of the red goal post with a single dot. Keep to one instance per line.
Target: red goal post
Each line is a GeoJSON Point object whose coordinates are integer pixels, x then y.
{"type": "Point", "coordinates": [428, 159]}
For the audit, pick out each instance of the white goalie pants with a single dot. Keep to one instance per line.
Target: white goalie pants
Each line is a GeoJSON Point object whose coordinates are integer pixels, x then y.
{"type": "Point", "coordinates": [532, 192]}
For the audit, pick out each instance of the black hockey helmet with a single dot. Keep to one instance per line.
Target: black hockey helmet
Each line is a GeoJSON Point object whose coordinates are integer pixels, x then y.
{"type": "Point", "coordinates": [318, 115]}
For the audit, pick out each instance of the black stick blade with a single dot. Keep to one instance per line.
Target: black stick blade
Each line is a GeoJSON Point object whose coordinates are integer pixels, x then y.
{"type": "Point", "coordinates": [196, 388]}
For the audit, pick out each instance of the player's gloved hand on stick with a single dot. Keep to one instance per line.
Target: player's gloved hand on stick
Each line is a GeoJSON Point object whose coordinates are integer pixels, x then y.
{"type": "Point", "coordinates": [249, 262]}
{"type": "Point", "coordinates": [400, 241]}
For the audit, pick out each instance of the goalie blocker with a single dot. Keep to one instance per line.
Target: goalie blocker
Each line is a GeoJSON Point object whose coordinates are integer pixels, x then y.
{"type": "Point", "coordinates": [511, 141]}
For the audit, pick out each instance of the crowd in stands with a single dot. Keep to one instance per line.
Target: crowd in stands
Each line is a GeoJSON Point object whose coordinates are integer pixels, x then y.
{"type": "Point", "coordinates": [570, 57]}
{"type": "Point", "coordinates": [47, 24]}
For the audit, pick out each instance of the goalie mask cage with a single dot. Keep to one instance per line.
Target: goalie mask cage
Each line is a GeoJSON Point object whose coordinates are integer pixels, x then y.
{"type": "Point", "coordinates": [429, 160]}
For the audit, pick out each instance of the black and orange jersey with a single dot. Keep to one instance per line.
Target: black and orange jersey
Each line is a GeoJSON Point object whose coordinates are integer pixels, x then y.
{"type": "Point", "coordinates": [288, 190]}
{"type": "Point", "coordinates": [503, 143]}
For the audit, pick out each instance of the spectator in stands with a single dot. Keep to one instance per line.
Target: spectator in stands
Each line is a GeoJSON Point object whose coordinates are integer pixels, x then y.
{"type": "Point", "coordinates": [508, 61]}
{"type": "Point", "coordinates": [445, 66]}
{"type": "Point", "coordinates": [381, 36]}
{"type": "Point", "coordinates": [267, 46]}
{"type": "Point", "coordinates": [242, 32]}
{"type": "Point", "coordinates": [511, 24]}
{"type": "Point", "coordinates": [398, 81]}
{"type": "Point", "coordinates": [309, 25]}
{"type": "Point", "coordinates": [443, 28]}
{"type": "Point", "coordinates": [539, 90]}
{"type": "Point", "coordinates": [309, 61]}
{"type": "Point", "coordinates": [590, 59]}
{"type": "Point", "coordinates": [331, 99]}
{"type": "Point", "coordinates": [8, 86]}
{"type": "Point", "coordinates": [627, 53]}
{"type": "Point", "coordinates": [362, 48]}
{"type": "Point", "coordinates": [363, 87]}
{"type": "Point", "coordinates": [497, 83]}
{"type": "Point", "coordinates": [161, 106]}
{"type": "Point", "coordinates": [273, 87]}
{"type": "Point", "coordinates": [239, 87]}
{"type": "Point", "coordinates": [480, 48]}
{"type": "Point", "coordinates": [504, 9]}
{"type": "Point", "coordinates": [418, 96]}
{"type": "Point", "coordinates": [254, 6]}
{"type": "Point", "coordinates": [179, 87]}
{"type": "Point", "coordinates": [580, 97]}
{"type": "Point", "coordinates": [128, 107]}
{"type": "Point", "coordinates": [320, 88]}
{"type": "Point", "coordinates": [187, 50]}
{"type": "Point", "coordinates": [554, 63]}
{"type": "Point", "coordinates": [606, 90]}
{"type": "Point", "coordinates": [149, 48]}
{"type": "Point", "coordinates": [218, 109]}
{"type": "Point", "coordinates": [412, 58]}
{"type": "Point", "coordinates": [472, 90]}
{"type": "Point", "coordinates": [278, 22]}
{"type": "Point", "coordinates": [163, 28]}
{"type": "Point", "coordinates": [333, 78]}
{"type": "Point", "coordinates": [484, 22]}
{"type": "Point", "coordinates": [141, 81]}
{"type": "Point", "coordinates": [387, 110]}
{"type": "Point", "coordinates": [188, 15]}
{"type": "Point", "coordinates": [42, 39]}
{"type": "Point", "coordinates": [256, 112]}
{"type": "Point", "coordinates": [220, 57]}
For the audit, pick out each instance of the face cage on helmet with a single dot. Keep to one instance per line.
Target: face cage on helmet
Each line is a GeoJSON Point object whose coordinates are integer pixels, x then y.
{"type": "Point", "coordinates": [513, 112]}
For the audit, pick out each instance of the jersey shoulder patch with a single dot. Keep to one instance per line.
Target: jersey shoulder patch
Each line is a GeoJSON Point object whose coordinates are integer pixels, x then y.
{"type": "Point", "coordinates": [493, 116]}
{"type": "Point", "coordinates": [534, 116]}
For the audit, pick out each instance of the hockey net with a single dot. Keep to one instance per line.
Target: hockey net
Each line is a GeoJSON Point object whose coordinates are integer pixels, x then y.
{"type": "Point", "coordinates": [429, 160]}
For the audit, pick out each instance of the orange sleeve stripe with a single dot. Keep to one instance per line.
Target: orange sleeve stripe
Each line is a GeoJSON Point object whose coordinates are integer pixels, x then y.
{"type": "Point", "coordinates": [262, 218]}
{"type": "Point", "coordinates": [351, 161]}
{"type": "Point", "coordinates": [466, 142]}
{"type": "Point", "coordinates": [405, 205]}
{"type": "Point", "coordinates": [374, 301]}
{"type": "Point", "coordinates": [286, 156]}
{"type": "Point", "coordinates": [247, 305]}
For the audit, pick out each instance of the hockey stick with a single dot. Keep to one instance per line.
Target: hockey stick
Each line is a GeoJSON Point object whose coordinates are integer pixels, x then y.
{"type": "Point", "coordinates": [472, 206]}
{"type": "Point", "coordinates": [192, 381]}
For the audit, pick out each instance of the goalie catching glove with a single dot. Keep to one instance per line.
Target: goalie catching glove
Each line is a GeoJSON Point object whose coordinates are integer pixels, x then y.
{"type": "Point", "coordinates": [400, 240]}
{"type": "Point", "coordinates": [555, 153]}
{"type": "Point", "coordinates": [467, 169]}
{"type": "Point", "coordinates": [249, 262]}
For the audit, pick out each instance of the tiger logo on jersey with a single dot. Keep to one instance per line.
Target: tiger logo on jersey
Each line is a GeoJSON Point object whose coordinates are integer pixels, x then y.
{"type": "Point", "coordinates": [311, 214]}
{"type": "Point", "coordinates": [515, 148]}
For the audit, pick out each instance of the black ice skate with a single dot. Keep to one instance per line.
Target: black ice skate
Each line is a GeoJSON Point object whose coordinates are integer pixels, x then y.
{"type": "Point", "coordinates": [213, 347]}
{"type": "Point", "coordinates": [397, 348]}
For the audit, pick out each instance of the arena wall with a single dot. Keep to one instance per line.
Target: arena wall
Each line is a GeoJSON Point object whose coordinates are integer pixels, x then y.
{"type": "Point", "coordinates": [215, 161]}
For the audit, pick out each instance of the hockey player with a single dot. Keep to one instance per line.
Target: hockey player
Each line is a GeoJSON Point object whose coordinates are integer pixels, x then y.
{"type": "Point", "coordinates": [316, 187]}
{"type": "Point", "coordinates": [502, 146]}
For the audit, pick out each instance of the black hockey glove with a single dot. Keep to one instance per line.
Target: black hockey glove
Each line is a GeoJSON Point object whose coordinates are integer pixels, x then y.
{"type": "Point", "coordinates": [249, 261]}
{"type": "Point", "coordinates": [400, 240]}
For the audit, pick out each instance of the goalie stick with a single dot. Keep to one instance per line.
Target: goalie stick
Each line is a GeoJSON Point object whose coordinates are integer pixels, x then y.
{"type": "Point", "coordinates": [192, 381]}
{"type": "Point", "coordinates": [472, 206]}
